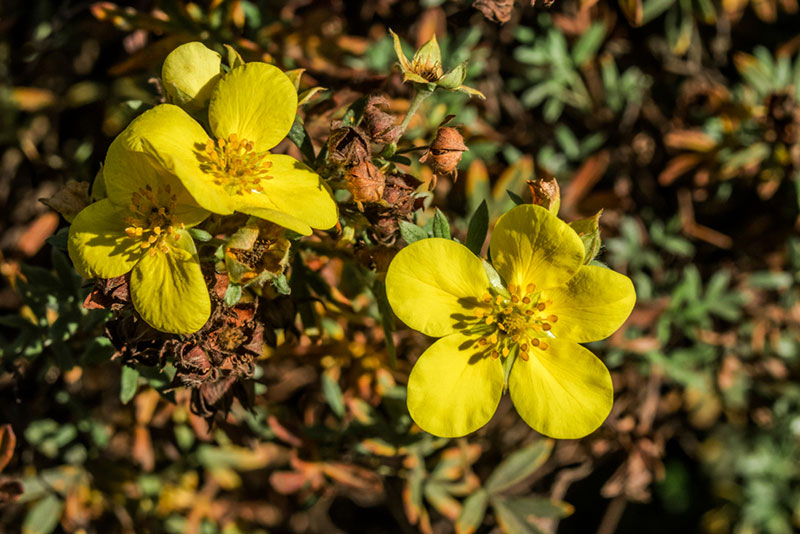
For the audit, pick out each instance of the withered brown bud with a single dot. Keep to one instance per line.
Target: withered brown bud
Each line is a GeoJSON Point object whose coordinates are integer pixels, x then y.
{"type": "Point", "coordinates": [366, 183]}
{"type": "Point", "coordinates": [69, 200]}
{"type": "Point", "coordinates": [445, 152]}
{"type": "Point", "coordinates": [347, 146]}
{"type": "Point", "coordinates": [545, 192]}
{"type": "Point", "coordinates": [379, 124]}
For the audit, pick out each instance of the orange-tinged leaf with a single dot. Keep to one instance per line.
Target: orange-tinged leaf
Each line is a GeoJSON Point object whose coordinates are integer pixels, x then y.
{"type": "Point", "coordinates": [32, 98]}
{"type": "Point", "coordinates": [8, 440]}
{"type": "Point", "coordinates": [690, 140]}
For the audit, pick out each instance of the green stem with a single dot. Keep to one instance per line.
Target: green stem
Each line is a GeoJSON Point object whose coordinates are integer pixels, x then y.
{"type": "Point", "coordinates": [419, 96]}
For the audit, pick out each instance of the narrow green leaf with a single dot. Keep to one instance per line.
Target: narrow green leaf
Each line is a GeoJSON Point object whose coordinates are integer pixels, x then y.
{"type": "Point", "coordinates": [519, 465]}
{"type": "Point", "coordinates": [43, 517]}
{"type": "Point", "coordinates": [129, 383]}
{"type": "Point", "coordinates": [200, 235]}
{"type": "Point", "coordinates": [411, 232]}
{"type": "Point", "coordinates": [299, 136]}
{"type": "Point", "coordinates": [333, 394]}
{"type": "Point", "coordinates": [472, 512]}
{"type": "Point", "coordinates": [509, 522]}
{"type": "Point", "coordinates": [534, 506]}
{"type": "Point", "coordinates": [515, 197]}
{"type": "Point", "coordinates": [441, 227]}
{"type": "Point", "coordinates": [478, 226]}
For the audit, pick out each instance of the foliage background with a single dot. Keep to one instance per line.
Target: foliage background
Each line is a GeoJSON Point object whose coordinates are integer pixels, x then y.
{"type": "Point", "coordinates": [679, 118]}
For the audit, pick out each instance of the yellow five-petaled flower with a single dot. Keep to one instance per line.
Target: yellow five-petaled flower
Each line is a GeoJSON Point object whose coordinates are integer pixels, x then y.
{"type": "Point", "coordinates": [533, 320]}
{"type": "Point", "coordinates": [250, 110]}
{"type": "Point", "coordinates": [142, 228]}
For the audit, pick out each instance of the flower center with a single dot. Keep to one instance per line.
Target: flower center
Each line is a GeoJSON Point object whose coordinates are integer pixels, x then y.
{"type": "Point", "coordinates": [235, 165]}
{"type": "Point", "coordinates": [152, 218]}
{"type": "Point", "coordinates": [521, 321]}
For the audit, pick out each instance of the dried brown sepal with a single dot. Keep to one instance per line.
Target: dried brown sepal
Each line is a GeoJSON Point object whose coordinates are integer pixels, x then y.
{"type": "Point", "coordinates": [545, 192]}
{"type": "Point", "coordinates": [445, 152]}
{"type": "Point", "coordinates": [347, 146]}
{"type": "Point", "coordinates": [69, 200]}
{"type": "Point", "coordinates": [110, 293]}
{"type": "Point", "coordinates": [366, 183]}
{"type": "Point", "coordinates": [495, 10]}
{"type": "Point", "coordinates": [398, 203]}
{"type": "Point", "coordinates": [380, 125]}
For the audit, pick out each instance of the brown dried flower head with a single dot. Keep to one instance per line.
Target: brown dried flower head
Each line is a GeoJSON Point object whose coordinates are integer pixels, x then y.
{"type": "Point", "coordinates": [379, 124]}
{"type": "Point", "coordinates": [347, 146]}
{"type": "Point", "coordinates": [445, 152]}
{"type": "Point", "coordinates": [365, 182]}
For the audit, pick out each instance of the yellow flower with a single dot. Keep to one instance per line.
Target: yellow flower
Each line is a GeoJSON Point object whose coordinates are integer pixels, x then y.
{"type": "Point", "coordinates": [251, 109]}
{"type": "Point", "coordinates": [426, 68]}
{"type": "Point", "coordinates": [531, 321]}
{"type": "Point", "coordinates": [141, 228]}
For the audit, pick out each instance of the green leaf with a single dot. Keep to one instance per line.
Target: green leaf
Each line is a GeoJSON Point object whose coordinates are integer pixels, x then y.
{"type": "Point", "coordinates": [200, 235]}
{"type": "Point", "coordinates": [59, 239]}
{"type": "Point", "coordinates": [129, 383]}
{"type": "Point", "coordinates": [441, 228]}
{"type": "Point", "coordinates": [472, 512]}
{"type": "Point", "coordinates": [478, 226]}
{"type": "Point", "coordinates": [519, 465]}
{"type": "Point", "coordinates": [387, 319]}
{"type": "Point", "coordinates": [515, 197]}
{"type": "Point", "coordinates": [586, 47]}
{"type": "Point", "coordinates": [333, 394]}
{"type": "Point", "coordinates": [532, 505]}
{"type": "Point", "coordinates": [299, 136]}
{"type": "Point", "coordinates": [281, 284]}
{"type": "Point", "coordinates": [509, 521]}
{"type": "Point", "coordinates": [411, 232]}
{"type": "Point", "coordinates": [43, 517]}
{"type": "Point", "coordinates": [233, 294]}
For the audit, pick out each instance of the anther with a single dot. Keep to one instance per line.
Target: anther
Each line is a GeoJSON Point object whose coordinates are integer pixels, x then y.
{"type": "Point", "coordinates": [546, 326]}
{"type": "Point", "coordinates": [552, 318]}
{"type": "Point", "coordinates": [482, 341]}
{"type": "Point", "coordinates": [489, 319]}
{"type": "Point", "coordinates": [514, 299]}
{"type": "Point", "coordinates": [495, 354]}
{"type": "Point", "coordinates": [530, 288]}
{"type": "Point", "coordinates": [506, 351]}
{"type": "Point", "coordinates": [524, 356]}
{"type": "Point", "coordinates": [528, 312]}
{"type": "Point", "coordinates": [526, 300]}
{"type": "Point", "coordinates": [479, 312]}
{"type": "Point", "coordinates": [512, 288]}
{"type": "Point", "coordinates": [524, 347]}
{"type": "Point", "coordinates": [540, 306]}
{"type": "Point", "coordinates": [543, 345]}
{"type": "Point", "coordinates": [487, 298]}
{"type": "Point", "coordinates": [535, 342]}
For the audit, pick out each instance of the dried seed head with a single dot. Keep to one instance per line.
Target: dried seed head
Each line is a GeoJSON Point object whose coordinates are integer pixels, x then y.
{"type": "Point", "coordinates": [347, 146]}
{"type": "Point", "coordinates": [379, 124]}
{"type": "Point", "coordinates": [445, 152]}
{"type": "Point", "coordinates": [366, 183]}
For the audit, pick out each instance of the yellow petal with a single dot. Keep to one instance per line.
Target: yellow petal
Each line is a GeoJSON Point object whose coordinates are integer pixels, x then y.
{"type": "Point", "coordinates": [178, 142]}
{"type": "Point", "coordinates": [433, 284]}
{"type": "Point", "coordinates": [564, 392]}
{"type": "Point", "coordinates": [398, 50]}
{"type": "Point", "coordinates": [453, 389]}
{"type": "Point", "coordinates": [531, 245]}
{"type": "Point", "coordinates": [257, 102]}
{"type": "Point", "coordinates": [294, 196]}
{"type": "Point", "coordinates": [127, 172]}
{"type": "Point", "coordinates": [168, 290]}
{"type": "Point", "coordinates": [189, 74]}
{"type": "Point", "coordinates": [592, 305]}
{"type": "Point", "coordinates": [98, 245]}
